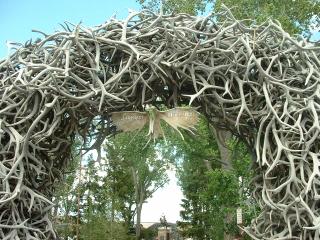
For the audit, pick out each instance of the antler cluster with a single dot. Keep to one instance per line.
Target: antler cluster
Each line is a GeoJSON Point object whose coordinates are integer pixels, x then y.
{"type": "Point", "coordinates": [256, 81]}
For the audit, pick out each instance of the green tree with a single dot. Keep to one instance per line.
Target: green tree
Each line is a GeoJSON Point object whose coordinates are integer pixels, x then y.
{"type": "Point", "coordinates": [96, 198]}
{"type": "Point", "coordinates": [212, 192]}
{"type": "Point", "coordinates": [112, 191]}
{"type": "Point", "coordinates": [120, 184]}
{"type": "Point", "coordinates": [147, 171]}
{"type": "Point", "coordinates": [65, 197]}
{"type": "Point", "coordinates": [200, 155]}
{"type": "Point", "coordinates": [195, 156]}
{"type": "Point", "coordinates": [296, 16]}
{"type": "Point", "coordinates": [100, 228]}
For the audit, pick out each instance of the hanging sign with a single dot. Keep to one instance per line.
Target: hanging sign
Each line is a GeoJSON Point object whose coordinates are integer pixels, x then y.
{"type": "Point", "coordinates": [180, 117]}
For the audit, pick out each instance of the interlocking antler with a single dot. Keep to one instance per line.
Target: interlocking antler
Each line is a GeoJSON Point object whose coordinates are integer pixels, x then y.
{"type": "Point", "coordinates": [256, 81]}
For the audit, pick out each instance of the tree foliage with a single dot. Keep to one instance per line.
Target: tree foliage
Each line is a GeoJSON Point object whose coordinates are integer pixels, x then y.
{"type": "Point", "coordinates": [65, 198]}
{"type": "Point", "coordinates": [138, 170]}
{"type": "Point", "coordinates": [120, 185]}
{"type": "Point", "coordinates": [113, 191]}
{"type": "Point", "coordinates": [211, 192]}
{"type": "Point", "coordinates": [296, 16]}
{"type": "Point", "coordinates": [99, 228]}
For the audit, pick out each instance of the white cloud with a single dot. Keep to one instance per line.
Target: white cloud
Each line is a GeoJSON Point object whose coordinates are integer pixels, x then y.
{"type": "Point", "coordinates": [165, 201]}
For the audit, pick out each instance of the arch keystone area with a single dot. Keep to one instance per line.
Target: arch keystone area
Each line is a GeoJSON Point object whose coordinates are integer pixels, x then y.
{"type": "Point", "coordinates": [255, 81]}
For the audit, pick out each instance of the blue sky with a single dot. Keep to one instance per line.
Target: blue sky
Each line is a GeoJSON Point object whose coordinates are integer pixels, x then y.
{"type": "Point", "coordinates": [19, 17]}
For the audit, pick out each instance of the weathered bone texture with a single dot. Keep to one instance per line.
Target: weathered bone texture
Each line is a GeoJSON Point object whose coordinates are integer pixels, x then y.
{"type": "Point", "coordinates": [256, 81]}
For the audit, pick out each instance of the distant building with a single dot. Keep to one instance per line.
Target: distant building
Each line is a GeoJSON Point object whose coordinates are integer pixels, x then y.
{"type": "Point", "coordinates": [164, 233]}
{"type": "Point", "coordinates": [170, 232]}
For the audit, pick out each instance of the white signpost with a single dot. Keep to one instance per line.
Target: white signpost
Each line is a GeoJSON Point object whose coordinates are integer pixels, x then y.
{"type": "Point", "coordinates": [239, 216]}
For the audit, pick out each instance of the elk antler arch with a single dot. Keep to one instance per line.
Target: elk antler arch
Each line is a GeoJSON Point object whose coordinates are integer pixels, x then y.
{"type": "Point", "coordinates": [256, 81]}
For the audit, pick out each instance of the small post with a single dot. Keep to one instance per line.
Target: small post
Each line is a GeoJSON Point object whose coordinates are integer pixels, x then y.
{"type": "Point", "coordinates": [79, 196]}
{"type": "Point", "coordinates": [239, 223]}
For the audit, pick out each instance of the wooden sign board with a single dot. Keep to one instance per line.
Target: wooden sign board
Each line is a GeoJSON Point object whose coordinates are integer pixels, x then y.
{"type": "Point", "coordinates": [185, 118]}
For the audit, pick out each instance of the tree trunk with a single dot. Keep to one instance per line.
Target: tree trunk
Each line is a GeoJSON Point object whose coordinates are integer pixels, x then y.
{"type": "Point", "coordinates": [112, 200]}
{"type": "Point", "coordinates": [128, 215]}
{"type": "Point", "coordinates": [139, 201]}
{"type": "Point", "coordinates": [223, 137]}
{"type": "Point", "coordinates": [138, 224]}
